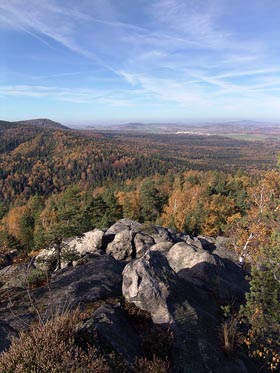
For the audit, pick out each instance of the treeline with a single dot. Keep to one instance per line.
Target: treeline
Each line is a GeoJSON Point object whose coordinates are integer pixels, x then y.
{"type": "Point", "coordinates": [43, 161]}
{"type": "Point", "coordinates": [245, 208]}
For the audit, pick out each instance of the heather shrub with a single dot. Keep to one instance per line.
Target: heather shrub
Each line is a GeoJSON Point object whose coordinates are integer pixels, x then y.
{"type": "Point", "coordinates": [50, 348]}
{"type": "Point", "coordinates": [156, 365]}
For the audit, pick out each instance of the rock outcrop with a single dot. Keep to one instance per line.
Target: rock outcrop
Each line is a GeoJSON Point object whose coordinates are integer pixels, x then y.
{"type": "Point", "coordinates": [148, 282]}
{"type": "Point", "coordinates": [181, 281]}
{"type": "Point", "coordinates": [122, 248]}
{"type": "Point", "coordinates": [110, 325]}
{"type": "Point", "coordinates": [89, 242]}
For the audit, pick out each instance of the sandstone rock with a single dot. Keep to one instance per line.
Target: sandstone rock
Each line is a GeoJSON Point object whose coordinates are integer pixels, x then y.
{"type": "Point", "coordinates": [122, 225]}
{"type": "Point", "coordinates": [46, 259]}
{"type": "Point", "coordinates": [86, 258]}
{"type": "Point", "coordinates": [163, 247]}
{"type": "Point", "coordinates": [99, 278]}
{"type": "Point", "coordinates": [217, 275]}
{"type": "Point", "coordinates": [147, 282]}
{"type": "Point", "coordinates": [14, 276]}
{"type": "Point", "coordinates": [193, 241]}
{"type": "Point", "coordinates": [163, 235]}
{"type": "Point", "coordinates": [183, 255]}
{"type": "Point", "coordinates": [110, 326]}
{"type": "Point", "coordinates": [142, 243]}
{"type": "Point", "coordinates": [122, 246]}
{"type": "Point", "coordinates": [89, 243]}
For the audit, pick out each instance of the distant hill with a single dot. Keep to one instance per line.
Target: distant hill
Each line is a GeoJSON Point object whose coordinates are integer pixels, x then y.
{"type": "Point", "coordinates": [6, 124]}
{"type": "Point", "coordinates": [42, 122]}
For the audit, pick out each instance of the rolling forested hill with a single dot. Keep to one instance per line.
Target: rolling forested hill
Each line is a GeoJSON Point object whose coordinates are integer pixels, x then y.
{"type": "Point", "coordinates": [35, 158]}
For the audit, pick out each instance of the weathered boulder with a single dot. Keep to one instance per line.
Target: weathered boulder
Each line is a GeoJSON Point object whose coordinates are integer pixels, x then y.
{"type": "Point", "coordinates": [163, 247]}
{"type": "Point", "coordinates": [70, 250]}
{"type": "Point", "coordinates": [122, 247]}
{"type": "Point", "coordinates": [110, 328]}
{"type": "Point", "coordinates": [218, 275]}
{"type": "Point", "coordinates": [14, 276]}
{"type": "Point", "coordinates": [193, 241]}
{"type": "Point", "coordinates": [89, 242]}
{"type": "Point", "coordinates": [142, 243]}
{"type": "Point", "coordinates": [99, 278]}
{"type": "Point", "coordinates": [163, 235]}
{"type": "Point", "coordinates": [147, 282]}
{"type": "Point", "coordinates": [7, 334]}
{"type": "Point", "coordinates": [122, 225]}
{"type": "Point", "coordinates": [46, 259]}
{"type": "Point", "coordinates": [86, 258]}
{"type": "Point", "coordinates": [183, 255]}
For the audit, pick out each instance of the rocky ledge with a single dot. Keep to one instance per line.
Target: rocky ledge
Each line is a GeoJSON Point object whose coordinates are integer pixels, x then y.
{"type": "Point", "coordinates": [180, 281]}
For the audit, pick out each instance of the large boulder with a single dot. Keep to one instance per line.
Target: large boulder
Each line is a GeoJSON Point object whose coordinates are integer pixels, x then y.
{"type": "Point", "coordinates": [122, 225]}
{"type": "Point", "coordinates": [147, 282]}
{"type": "Point", "coordinates": [122, 247]}
{"type": "Point", "coordinates": [90, 242]}
{"type": "Point", "coordinates": [217, 274]}
{"type": "Point", "coordinates": [183, 255]}
{"type": "Point", "coordinates": [163, 247]}
{"type": "Point", "coordinates": [15, 276]}
{"type": "Point", "coordinates": [142, 243]}
{"type": "Point", "coordinates": [110, 328]}
{"type": "Point", "coordinates": [70, 250]}
{"type": "Point", "coordinates": [99, 278]}
{"type": "Point", "coordinates": [163, 235]}
{"type": "Point", "coordinates": [46, 259]}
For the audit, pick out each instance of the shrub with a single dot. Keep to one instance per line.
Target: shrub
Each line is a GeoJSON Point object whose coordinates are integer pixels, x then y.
{"type": "Point", "coordinates": [156, 365]}
{"type": "Point", "coordinates": [37, 277]}
{"type": "Point", "coordinates": [50, 348]}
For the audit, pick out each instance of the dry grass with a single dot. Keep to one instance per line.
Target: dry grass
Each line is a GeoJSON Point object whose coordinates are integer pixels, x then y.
{"type": "Point", "coordinates": [230, 336]}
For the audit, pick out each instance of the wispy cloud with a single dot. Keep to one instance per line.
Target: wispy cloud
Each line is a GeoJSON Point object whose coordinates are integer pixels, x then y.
{"type": "Point", "coordinates": [77, 96]}
{"type": "Point", "coordinates": [187, 53]}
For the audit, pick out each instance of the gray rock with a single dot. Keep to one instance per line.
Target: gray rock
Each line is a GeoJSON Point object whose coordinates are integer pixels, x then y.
{"type": "Point", "coordinates": [14, 276]}
{"type": "Point", "coordinates": [218, 275]}
{"type": "Point", "coordinates": [183, 255]}
{"type": "Point", "coordinates": [89, 243]}
{"type": "Point", "coordinates": [193, 241]}
{"type": "Point", "coordinates": [71, 249]}
{"type": "Point", "coordinates": [122, 225]}
{"type": "Point", "coordinates": [99, 278]}
{"type": "Point", "coordinates": [7, 334]}
{"type": "Point", "coordinates": [225, 253]}
{"type": "Point", "coordinates": [163, 235]}
{"type": "Point", "coordinates": [142, 243]}
{"type": "Point", "coordinates": [147, 282]}
{"type": "Point", "coordinates": [163, 247]}
{"type": "Point", "coordinates": [122, 246]}
{"type": "Point", "coordinates": [45, 260]}
{"type": "Point", "coordinates": [110, 326]}
{"type": "Point", "coordinates": [86, 258]}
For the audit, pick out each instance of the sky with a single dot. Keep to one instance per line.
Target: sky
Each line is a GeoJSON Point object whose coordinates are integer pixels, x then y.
{"type": "Point", "coordinates": [113, 61]}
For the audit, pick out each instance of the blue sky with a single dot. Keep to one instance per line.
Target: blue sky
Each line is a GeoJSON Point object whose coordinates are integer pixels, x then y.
{"type": "Point", "coordinates": [111, 61]}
